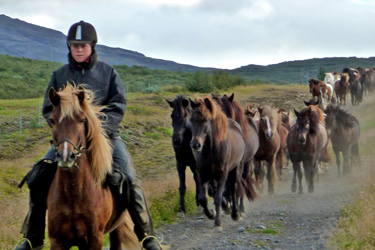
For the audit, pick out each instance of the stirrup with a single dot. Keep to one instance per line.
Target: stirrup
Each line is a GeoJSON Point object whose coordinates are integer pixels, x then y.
{"type": "Point", "coordinates": [154, 237]}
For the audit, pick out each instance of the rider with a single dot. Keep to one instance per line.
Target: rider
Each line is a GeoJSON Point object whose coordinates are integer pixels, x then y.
{"type": "Point", "coordinates": [103, 79]}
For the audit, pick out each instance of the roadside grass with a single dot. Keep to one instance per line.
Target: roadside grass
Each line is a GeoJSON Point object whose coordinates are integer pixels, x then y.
{"type": "Point", "coordinates": [356, 227]}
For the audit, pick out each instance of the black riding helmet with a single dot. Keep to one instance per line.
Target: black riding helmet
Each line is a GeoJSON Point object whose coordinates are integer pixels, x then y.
{"type": "Point", "coordinates": [82, 33]}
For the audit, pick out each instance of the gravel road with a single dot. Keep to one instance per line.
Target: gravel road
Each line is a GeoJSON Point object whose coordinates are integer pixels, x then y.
{"type": "Point", "coordinates": [284, 221]}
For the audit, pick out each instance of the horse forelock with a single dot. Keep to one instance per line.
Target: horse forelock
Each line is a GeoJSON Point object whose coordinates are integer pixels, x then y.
{"type": "Point", "coordinates": [214, 114]}
{"type": "Point", "coordinates": [99, 146]}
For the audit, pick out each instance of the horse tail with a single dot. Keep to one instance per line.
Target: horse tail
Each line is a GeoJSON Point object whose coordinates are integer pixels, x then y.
{"type": "Point", "coordinates": [247, 183]}
{"type": "Point", "coordinates": [127, 235]}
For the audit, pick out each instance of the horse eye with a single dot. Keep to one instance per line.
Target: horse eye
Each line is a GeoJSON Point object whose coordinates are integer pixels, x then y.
{"type": "Point", "coordinates": [83, 120]}
{"type": "Point", "coordinates": [51, 121]}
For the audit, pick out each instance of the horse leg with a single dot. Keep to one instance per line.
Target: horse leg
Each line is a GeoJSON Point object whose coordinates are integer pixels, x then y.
{"type": "Point", "coordinates": [346, 155]}
{"type": "Point", "coordinates": [259, 175]}
{"type": "Point", "coordinates": [197, 188]}
{"type": "Point", "coordinates": [203, 200]}
{"type": "Point", "coordinates": [309, 172]}
{"type": "Point", "coordinates": [95, 242]}
{"type": "Point", "coordinates": [271, 175]}
{"type": "Point", "coordinates": [181, 169]}
{"type": "Point", "coordinates": [217, 201]}
{"type": "Point", "coordinates": [294, 180]}
{"type": "Point", "coordinates": [234, 186]}
{"type": "Point", "coordinates": [114, 239]}
{"type": "Point", "coordinates": [338, 162]}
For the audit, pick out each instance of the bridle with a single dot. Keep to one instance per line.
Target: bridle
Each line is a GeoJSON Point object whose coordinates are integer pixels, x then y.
{"type": "Point", "coordinates": [78, 150]}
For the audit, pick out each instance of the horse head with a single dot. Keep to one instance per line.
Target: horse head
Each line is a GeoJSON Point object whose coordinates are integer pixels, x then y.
{"type": "Point", "coordinates": [180, 118]}
{"type": "Point", "coordinates": [331, 112]}
{"type": "Point", "coordinates": [77, 130]}
{"type": "Point", "coordinates": [267, 121]}
{"type": "Point", "coordinates": [68, 127]}
{"type": "Point", "coordinates": [207, 122]}
{"type": "Point", "coordinates": [303, 124]}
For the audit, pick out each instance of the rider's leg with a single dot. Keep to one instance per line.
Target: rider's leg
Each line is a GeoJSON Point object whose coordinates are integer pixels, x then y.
{"type": "Point", "coordinates": [39, 180]}
{"type": "Point", "coordinates": [138, 209]}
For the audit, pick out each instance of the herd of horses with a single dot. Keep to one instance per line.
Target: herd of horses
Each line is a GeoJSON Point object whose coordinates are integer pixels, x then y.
{"type": "Point", "coordinates": [229, 150]}
{"type": "Point", "coordinates": [357, 82]}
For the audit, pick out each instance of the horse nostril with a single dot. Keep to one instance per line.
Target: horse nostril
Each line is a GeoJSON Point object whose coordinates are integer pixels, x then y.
{"type": "Point", "coordinates": [195, 145]}
{"type": "Point", "coordinates": [72, 156]}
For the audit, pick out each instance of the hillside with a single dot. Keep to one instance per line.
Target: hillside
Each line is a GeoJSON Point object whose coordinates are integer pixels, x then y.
{"type": "Point", "coordinates": [22, 39]}
{"type": "Point", "coordinates": [301, 71]}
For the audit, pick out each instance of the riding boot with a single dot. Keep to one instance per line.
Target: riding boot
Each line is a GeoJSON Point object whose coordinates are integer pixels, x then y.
{"type": "Point", "coordinates": [33, 227]}
{"type": "Point", "coordinates": [39, 180]}
{"type": "Point", "coordinates": [139, 212]}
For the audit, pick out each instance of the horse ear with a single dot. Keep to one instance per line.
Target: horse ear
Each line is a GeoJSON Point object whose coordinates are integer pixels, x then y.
{"type": "Point", "coordinates": [296, 113]}
{"type": "Point", "coordinates": [260, 110]}
{"type": "Point", "coordinates": [208, 104]}
{"type": "Point", "coordinates": [193, 104]}
{"type": "Point", "coordinates": [81, 94]}
{"type": "Point", "coordinates": [231, 97]}
{"type": "Point", "coordinates": [169, 102]}
{"type": "Point", "coordinates": [53, 97]}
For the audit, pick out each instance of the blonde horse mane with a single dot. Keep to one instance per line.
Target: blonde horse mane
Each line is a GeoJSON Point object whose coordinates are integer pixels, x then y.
{"type": "Point", "coordinates": [100, 148]}
{"type": "Point", "coordinates": [209, 109]}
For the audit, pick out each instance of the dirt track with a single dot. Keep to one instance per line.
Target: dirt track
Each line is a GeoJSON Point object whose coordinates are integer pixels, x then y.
{"type": "Point", "coordinates": [284, 221]}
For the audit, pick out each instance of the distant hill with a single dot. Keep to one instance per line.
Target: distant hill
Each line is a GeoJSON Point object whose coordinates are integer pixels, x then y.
{"type": "Point", "coordinates": [301, 71]}
{"type": "Point", "coordinates": [22, 39]}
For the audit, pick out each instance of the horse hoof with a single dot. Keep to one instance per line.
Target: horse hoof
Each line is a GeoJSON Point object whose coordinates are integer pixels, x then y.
{"type": "Point", "coordinates": [235, 216]}
{"type": "Point", "coordinates": [211, 214]}
{"type": "Point", "coordinates": [180, 214]}
{"type": "Point", "coordinates": [218, 229]}
{"type": "Point", "coordinates": [200, 209]}
{"type": "Point", "coordinates": [294, 189]}
{"type": "Point", "coordinates": [243, 215]}
{"type": "Point", "coordinates": [227, 209]}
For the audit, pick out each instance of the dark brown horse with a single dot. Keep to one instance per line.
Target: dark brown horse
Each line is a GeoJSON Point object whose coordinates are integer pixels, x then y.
{"type": "Point", "coordinates": [234, 110]}
{"type": "Point", "coordinates": [81, 208]}
{"type": "Point", "coordinates": [307, 141]}
{"type": "Point", "coordinates": [269, 146]}
{"type": "Point", "coordinates": [342, 89]}
{"type": "Point", "coordinates": [219, 147]}
{"type": "Point", "coordinates": [344, 132]}
{"type": "Point", "coordinates": [181, 144]}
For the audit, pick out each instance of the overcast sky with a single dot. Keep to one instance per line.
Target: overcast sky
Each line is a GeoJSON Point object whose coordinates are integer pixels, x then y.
{"type": "Point", "coordinates": [216, 33]}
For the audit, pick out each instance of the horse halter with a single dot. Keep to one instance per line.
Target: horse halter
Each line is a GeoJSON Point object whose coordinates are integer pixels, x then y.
{"type": "Point", "coordinates": [78, 150]}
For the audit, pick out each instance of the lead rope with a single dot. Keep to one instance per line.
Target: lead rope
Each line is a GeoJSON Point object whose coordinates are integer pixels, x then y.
{"type": "Point", "coordinates": [151, 236]}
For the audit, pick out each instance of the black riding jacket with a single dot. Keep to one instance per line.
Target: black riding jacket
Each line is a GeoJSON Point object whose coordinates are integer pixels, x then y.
{"type": "Point", "coordinates": [103, 80]}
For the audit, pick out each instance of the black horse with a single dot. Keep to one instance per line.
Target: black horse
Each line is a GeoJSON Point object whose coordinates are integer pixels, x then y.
{"type": "Point", "coordinates": [344, 132]}
{"type": "Point", "coordinates": [181, 144]}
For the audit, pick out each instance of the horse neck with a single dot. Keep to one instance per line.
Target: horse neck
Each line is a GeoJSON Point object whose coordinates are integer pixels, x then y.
{"type": "Point", "coordinates": [77, 181]}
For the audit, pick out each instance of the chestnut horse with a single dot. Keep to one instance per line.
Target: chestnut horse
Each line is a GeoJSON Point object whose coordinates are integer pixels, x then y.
{"type": "Point", "coordinates": [307, 141]}
{"type": "Point", "coordinates": [81, 208]}
{"type": "Point", "coordinates": [269, 146]}
{"type": "Point", "coordinates": [219, 148]}
{"type": "Point", "coordinates": [181, 144]}
{"type": "Point", "coordinates": [342, 89]}
{"type": "Point", "coordinates": [344, 133]}
{"type": "Point", "coordinates": [234, 110]}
